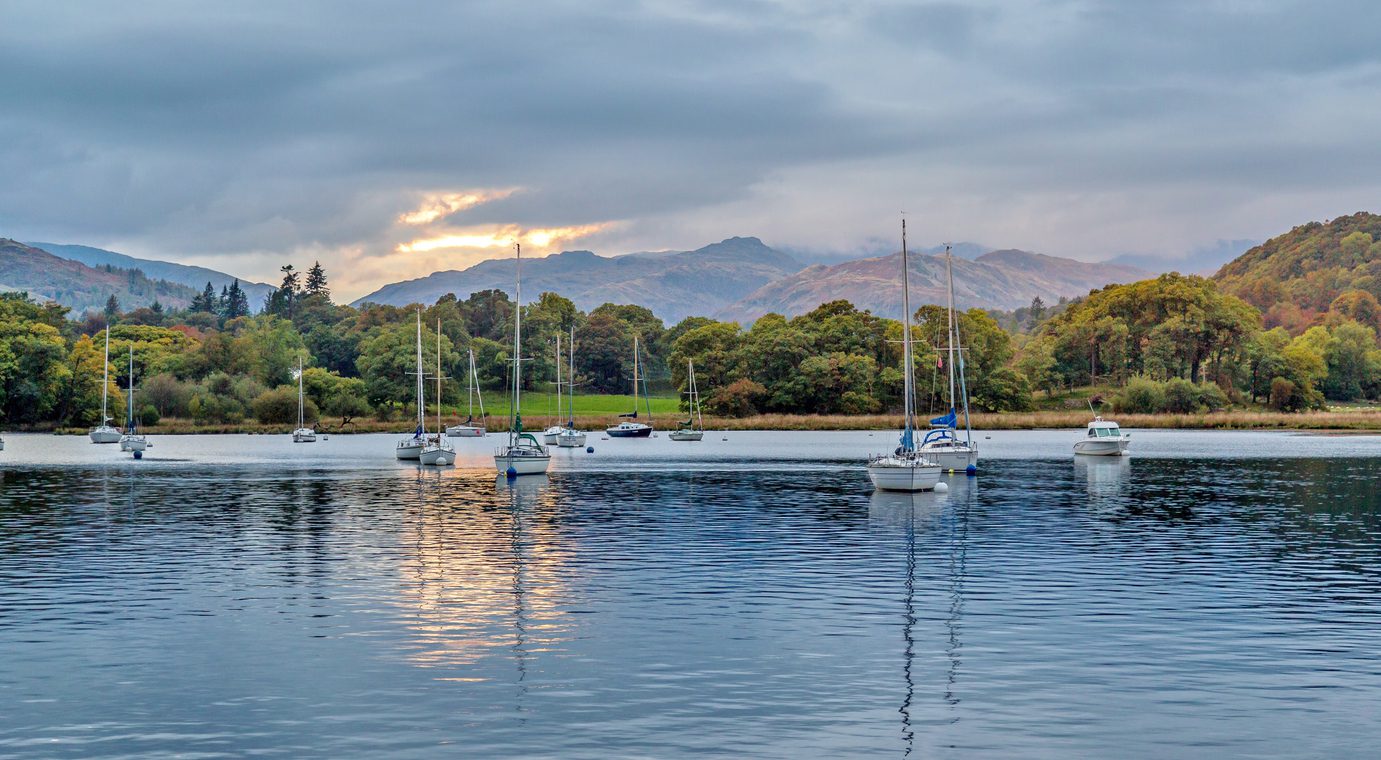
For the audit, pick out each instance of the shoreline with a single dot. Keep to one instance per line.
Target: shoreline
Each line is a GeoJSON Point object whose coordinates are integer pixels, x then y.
{"type": "Point", "coordinates": [1340, 421]}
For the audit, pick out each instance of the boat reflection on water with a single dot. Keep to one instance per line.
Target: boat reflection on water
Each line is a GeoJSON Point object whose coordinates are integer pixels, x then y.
{"type": "Point", "coordinates": [916, 515]}
{"type": "Point", "coordinates": [1107, 480]}
{"type": "Point", "coordinates": [484, 577]}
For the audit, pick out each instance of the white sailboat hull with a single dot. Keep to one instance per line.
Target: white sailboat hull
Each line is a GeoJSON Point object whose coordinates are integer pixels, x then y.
{"type": "Point", "coordinates": [465, 431]}
{"type": "Point", "coordinates": [106, 434]}
{"type": "Point", "coordinates": [304, 435]}
{"type": "Point", "coordinates": [570, 440]}
{"type": "Point", "coordinates": [893, 473]}
{"type": "Point", "coordinates": [523, 461]}
{"type": "Point", "coordinates": [1105, 447]}
{"type": "Point", "coordinates": [133, 443]}
{"type": "Point", "coordinates": [549, 435]}
{"type": "Point", "coordinates": [951, 458]}
{"type": "Point", "coordinates": [686, 435]}
{"type": "Point", "coordinates": [409, 449]}
{"type": "Point", "coordinates": [438, 456]}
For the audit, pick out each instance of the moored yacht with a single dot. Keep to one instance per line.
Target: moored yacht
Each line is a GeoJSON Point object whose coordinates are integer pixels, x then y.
{"type": "Point", "coordinates": [941, 443]}
{"type": "Point", "coordinates": [524, 454]}
{"type": "Point", "coordinates": [905, 468]}
{"type": "Point", "coordinates": [549, 436]}
{"type": "Point", "coordinates": [468, 428]}
{"type": "Point", "coordinates": [411, 448]}
{"type": "Point", "coordinates": [437, 451]}
{"type": "Point", "coordinates": [132, 440]}
{"type": "Point", "coordinates": [104, 433]}
{"type": "Point", "coordinates": [630, 427]}
{"type": "Point", "coordinates": [570, 437]}
{"type": "Point", "coordinates": [693, 428]}
{"type": "Point", "coordinates": [302, 434]}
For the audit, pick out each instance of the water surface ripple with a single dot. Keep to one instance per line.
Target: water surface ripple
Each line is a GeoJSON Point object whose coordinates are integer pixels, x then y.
{"type": "Point", "coordinates": [1158, 607]}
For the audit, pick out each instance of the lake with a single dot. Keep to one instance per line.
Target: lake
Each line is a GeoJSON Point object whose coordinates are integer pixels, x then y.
{"type": "Point", "coordinates": [1216, 594]}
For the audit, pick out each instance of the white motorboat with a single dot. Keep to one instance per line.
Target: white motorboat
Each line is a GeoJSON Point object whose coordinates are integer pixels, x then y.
{"type": "Point", "coordinates": [437, 451]}
{"type": "Point", "coordinates": [524, 454]}
{"type": "Point", "coordinates": [633, 429]}
{"type": "Point", "coordinates": [941, 443]}
{"type": "Point", "coordinates": [468, 429]}
{"type": "Point", "coordinates": [411, 448]}
{"type": "Point", "coordinates": [104, 433]}
{"type": "Point", "coordinates": [693, 428]}
{"type": "Point", "coordinates": [132, 440]}
{"type": "Point", "coordinates": [1104, 439]}
{"type": "Point", "coordinates": [905, 468]}
{"type": "Point", "coordinates": [302, 434]}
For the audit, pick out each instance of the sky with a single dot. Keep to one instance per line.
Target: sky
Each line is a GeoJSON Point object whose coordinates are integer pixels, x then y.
{"type": "Point", "coordinates": [390, 140]}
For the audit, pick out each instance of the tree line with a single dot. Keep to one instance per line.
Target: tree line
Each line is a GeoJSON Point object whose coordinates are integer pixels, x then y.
{"type": "Point", "coordinates": [1173, 343]}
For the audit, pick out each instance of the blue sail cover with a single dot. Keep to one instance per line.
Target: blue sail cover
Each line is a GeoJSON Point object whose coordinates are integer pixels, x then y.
{"type": "Point", "coordinates": [949, 420]}
{"type": "Point", "coordinates": [908, 443]}
{"type": "Point", "coordinates": [418, 432]}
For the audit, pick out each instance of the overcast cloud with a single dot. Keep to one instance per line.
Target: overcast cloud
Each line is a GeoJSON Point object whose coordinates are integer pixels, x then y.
{"type": "Point", "coordinates": [246, 135]}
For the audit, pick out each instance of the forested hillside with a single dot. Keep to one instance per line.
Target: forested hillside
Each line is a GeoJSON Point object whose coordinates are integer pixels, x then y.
{"type": "Point", "coordinates": [1314, 273]}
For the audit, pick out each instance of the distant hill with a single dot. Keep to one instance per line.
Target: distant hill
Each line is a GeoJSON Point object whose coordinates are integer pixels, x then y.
{"type": "Point", "coordinates": [674, 284]}
{"type": "Point", "coordinates": [995, 280]}
{"type": "Point", "coordinates": [874, 249]}
{"type": "Point", "coordinates": [1295, 277]}
{"type": "Point", "coordinates": [80, 287]}
{"type": "Point", "coordinates": [1204, 260]}
{"type": "Point", "coordinates": [191, 276]}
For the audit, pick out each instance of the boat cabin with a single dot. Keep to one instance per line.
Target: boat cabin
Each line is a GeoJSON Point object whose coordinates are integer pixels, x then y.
{"type": "Point", "coordinates": [1101, 428]}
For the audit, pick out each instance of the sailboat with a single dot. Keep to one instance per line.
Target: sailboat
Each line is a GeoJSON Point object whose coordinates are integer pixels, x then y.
{"type": "Point", "coordinates": [437, 450]}
{"type": "Point", "coordinates": [549, 435]}
{"type": "Point", "coordinates": [633, 429]}
{"type": "Point", "coordinates": [104, 433]}
{"type": "Point", "coordinates": [569, 437]}
{"type": "Point", "coordinates": [132, 440]}
{"type": "Point", "coordinates": [523, 455]}
{"type": "Point", "coordinates": [905, 469]}
{"type": "Point", "coordinates": [411, 448]}
{"type": "Point", "coordinates": [302, 434]}
{"type": "Point", "coordinates": [693, 428]}
{"type": "Point", "coordinates": [468, 429]}
{"type": "Point", "coordinates": [941, 443]}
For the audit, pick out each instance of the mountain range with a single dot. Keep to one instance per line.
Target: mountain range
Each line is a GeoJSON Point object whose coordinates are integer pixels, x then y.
{"type": "Point", "coordinates": [995, 280]}
{"type": "Point", "coordinates": [81, 287]}
{"type": "Point", "coordinates": [184, 274]}
{"type": "Point", "coordinates": [742, 278]}
{"type": "Point", "coordinates": [674, 284]}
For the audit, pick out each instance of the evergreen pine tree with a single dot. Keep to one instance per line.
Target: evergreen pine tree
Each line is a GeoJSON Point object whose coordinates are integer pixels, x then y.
{"type": "Point", "coordinates": [316, 281]}
{"type": "Point", "coordinates": [286, 295]}
{"type": "Point", "coordinates": [235, 302]}
{"type": "Point", "coordinates": [112, 307]}
{"type": "Point", "coordinates": [205, 301]}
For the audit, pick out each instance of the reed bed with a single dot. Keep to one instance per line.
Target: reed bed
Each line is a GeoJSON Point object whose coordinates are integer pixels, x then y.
{"type": "Point", "coordinates": [1342, 420]}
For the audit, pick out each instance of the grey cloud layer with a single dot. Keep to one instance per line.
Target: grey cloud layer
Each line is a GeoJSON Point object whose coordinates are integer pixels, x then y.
{"type": "Point", "coordinates": [256, 127]}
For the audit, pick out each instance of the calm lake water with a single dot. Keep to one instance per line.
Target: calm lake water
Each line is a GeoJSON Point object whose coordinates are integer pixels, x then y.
{"type": "Point", "coordinates": [1217, 595]}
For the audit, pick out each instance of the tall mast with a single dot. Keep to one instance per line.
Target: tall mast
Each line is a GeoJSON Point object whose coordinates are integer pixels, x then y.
{"type": "Point", "coordinates": [439, 431]}
{"type": "Point", "coordinates": [299, 392]}
{"type": "Point", "coordinates": [949, 320]}
{"type": "Point", "coordinates": [130, 413]}
{"type": "Point", "coordinates": [421, 405]}
{"type": "Point", "coordinates": [907, 441]}
{"type": "Point", "coordinates": [570, 380]}
{"type": "Point", "coordinates": [105, 377]}
{"type": "Point", "coordinates": [513, 414]}
{"type": "Point", "coordinates": [635, 374]}
{"type": "Point", "coordinates": [558, 379]}
{"type": "Point", "coordinates": [470, 386]}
